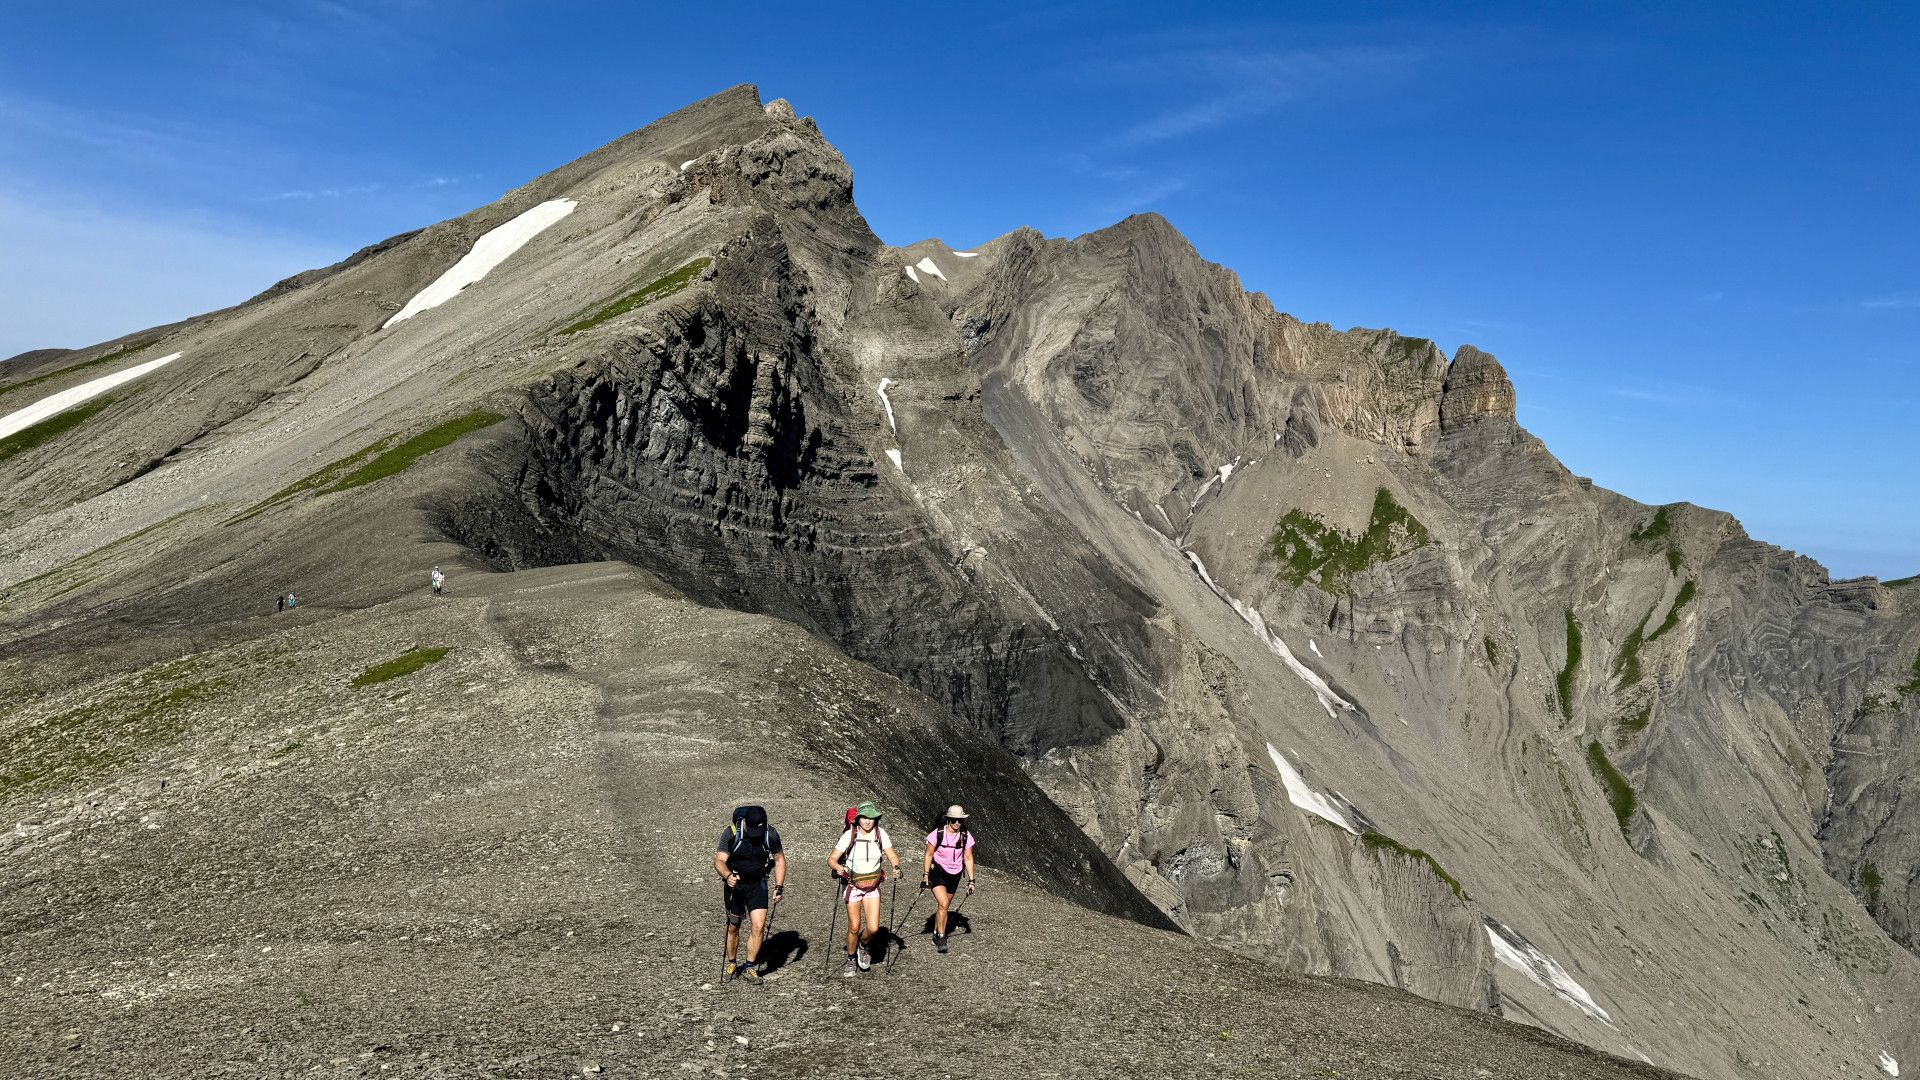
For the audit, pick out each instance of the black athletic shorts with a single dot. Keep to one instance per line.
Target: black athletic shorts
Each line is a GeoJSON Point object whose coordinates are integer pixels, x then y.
{"type": "Point", "coordinates": [744, 897]}
{"type": "Point", "coordinates": [940, 879]}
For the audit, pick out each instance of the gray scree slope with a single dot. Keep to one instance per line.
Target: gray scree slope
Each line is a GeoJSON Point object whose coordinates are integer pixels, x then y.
{"type": "Point", "coordinates": [1314, 653]}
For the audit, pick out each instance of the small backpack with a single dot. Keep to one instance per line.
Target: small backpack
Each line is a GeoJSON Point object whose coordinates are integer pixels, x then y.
{"type": "Point", "coordinates": [746, 856]}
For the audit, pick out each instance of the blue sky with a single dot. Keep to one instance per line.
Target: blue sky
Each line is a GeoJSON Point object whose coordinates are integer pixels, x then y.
{"type": "Point", "coordinates": [1693, 236]}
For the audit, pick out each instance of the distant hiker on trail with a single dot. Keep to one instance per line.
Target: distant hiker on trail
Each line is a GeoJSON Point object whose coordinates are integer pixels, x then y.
{"type": "Point", "coordinates": [748, 849]}
{"type": "Point", "coordinates": [283, 602]}
{"type": "Point", "coordinates": [856, 859]}
{"type": "Point", "coordinates": [949, 854]}
{"type": "Point", "coordinates": [292, 601]}
{"type": "Point", "coordinates": [439, 579]}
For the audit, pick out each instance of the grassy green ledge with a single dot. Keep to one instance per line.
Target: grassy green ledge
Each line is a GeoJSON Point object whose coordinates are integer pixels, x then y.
{"type": "Point", "coordinates": [1381, 842]}
{"type": "Point", "coordinates": [405, 664]}
{"type": "Point", "coordinates": [378, 460]}
{"type": "Point", "coordinates": [1563, 682]}
{"type": "Point", "coordinates": [659, 289]}
{"type": "Point", "coordinates": [1620, 794]}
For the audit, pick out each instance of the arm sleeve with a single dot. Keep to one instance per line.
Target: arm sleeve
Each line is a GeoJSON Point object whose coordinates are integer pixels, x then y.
{"type": "Point", "coordinates": [773, 841]}
{"type": "Point", "coordinates": [726, 842]}
{"type": "Point", "coordinates": [840, 845]}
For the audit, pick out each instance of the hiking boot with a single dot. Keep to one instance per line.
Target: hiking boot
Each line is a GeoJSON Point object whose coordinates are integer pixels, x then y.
{"type": "Point", "coordinates": [852, 968]}
{"type": "Point", "coordinates": [750, 972]}
{"type": "Point", "coordinates": [864, 958]}
{"type": "Point", "coordinates": [939, 943]}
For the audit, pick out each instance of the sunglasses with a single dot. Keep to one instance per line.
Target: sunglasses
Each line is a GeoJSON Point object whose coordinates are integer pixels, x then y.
{"type": "Point", "coordinates": [956, 821]}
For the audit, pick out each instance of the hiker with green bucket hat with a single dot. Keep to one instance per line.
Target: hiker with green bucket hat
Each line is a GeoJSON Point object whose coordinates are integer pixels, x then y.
{"type": "Point", "coordinates": [858, 859]}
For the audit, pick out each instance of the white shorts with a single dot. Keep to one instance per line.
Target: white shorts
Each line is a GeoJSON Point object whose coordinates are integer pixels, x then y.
{"type": "Point", "coordinates": [855, 893]}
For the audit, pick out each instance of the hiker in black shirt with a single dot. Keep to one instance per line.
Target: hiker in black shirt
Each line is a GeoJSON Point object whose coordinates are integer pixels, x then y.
{"type": "Point", "coordinates": [748, 850]}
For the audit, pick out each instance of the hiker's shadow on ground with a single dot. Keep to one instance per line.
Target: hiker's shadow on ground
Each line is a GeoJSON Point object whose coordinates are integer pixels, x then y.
{"type": "Point", "coordinates": [956, 924]}
{"type": "Point", "coordinates": [783, 948]}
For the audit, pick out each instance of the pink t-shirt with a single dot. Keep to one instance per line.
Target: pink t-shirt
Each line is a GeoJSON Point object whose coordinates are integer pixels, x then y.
{"type": "Point", "coordinates": [948, 854]}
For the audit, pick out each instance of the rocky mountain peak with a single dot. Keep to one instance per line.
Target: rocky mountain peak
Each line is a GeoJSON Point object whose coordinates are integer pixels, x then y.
{"type": "Point", "coordinates": [1476, 388]}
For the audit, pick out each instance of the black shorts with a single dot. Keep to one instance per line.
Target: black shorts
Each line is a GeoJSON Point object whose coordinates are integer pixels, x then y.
{"type": "Point", "coordinates": [744, 897]}
{"type": "Point", "coordinates": [938, 878]}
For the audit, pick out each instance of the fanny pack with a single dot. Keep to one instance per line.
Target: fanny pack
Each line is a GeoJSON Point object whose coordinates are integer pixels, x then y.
{"type": "Point", "coordinates": [867, 881]}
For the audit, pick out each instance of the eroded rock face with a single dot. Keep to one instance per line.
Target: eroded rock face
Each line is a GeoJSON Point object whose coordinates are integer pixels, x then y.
{"type": "Point", "coordinates": [1476, 388]}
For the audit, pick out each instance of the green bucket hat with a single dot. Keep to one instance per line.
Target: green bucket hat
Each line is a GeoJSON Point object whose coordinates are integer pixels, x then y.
{"type": "Point", "coordinates": [868, 810]}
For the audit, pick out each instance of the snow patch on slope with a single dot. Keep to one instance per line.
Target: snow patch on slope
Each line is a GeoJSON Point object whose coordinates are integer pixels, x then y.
{"type": "Point", "coordinates": [489, 251]}
{"type": "Point", "coordinates": [21, 419]}
{"type": "Point", "coordinates": [1328, 699]}
{"type": "Point", "coordinates": [687, 164]}
{"type": "Point", "coordinates": [882, 390]}
{"type": "Point", "coordinates": [894, 456]}
{"type": "Point", "coordinates": [911, 276]}
{"type": "Point", "coordinates": [928, 266]}
{"type": "Point", "coordinates": [1888, 1065]}
{"type": "Point", "coordinates": [967, 254]}
{"type": "Point", "coordinates": [1521, 955]}
{"type": "Point", "coordinates": [1302, 795]}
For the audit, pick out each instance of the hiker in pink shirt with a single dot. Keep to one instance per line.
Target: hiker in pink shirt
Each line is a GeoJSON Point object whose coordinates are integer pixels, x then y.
{"type": "Point", "coordinates": [949, 858]}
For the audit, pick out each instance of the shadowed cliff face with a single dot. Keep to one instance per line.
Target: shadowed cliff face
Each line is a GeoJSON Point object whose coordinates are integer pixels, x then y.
{"type": "Point", "coordinates": [1335, 664]}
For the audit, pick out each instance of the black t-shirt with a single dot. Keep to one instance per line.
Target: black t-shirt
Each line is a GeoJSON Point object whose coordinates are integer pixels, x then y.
{"type": "Point", "coordinates": [743, 857]}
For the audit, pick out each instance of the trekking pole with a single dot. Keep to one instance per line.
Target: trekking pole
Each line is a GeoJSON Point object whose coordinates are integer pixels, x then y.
{"type": "Point", "coordinates": [833, 919]}
{"type": "Point", "coordinates": [896, 932]}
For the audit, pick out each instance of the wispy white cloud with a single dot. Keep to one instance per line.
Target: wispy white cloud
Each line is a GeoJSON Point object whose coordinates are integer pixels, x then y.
{"type": "Point", "coordinates": [1234, 86]}
{"type": "Point", "coordinates": [90, 274]}
{"type": "Point", "coordinates": [1893, 302]}
{"type": "Point", "coordinates": [1140, 197]}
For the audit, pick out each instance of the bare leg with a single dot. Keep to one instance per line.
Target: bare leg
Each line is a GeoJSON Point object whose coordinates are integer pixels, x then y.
{"type": "Point", "coordinates": [871, 924]}
{"type": "Point", "coordinates": [733, 940]}
{"type": "Point", "coordinates": [759, 917]}
{"type": "Point", "coordinates": [942, 897]}
{"type": "Point", "coordinates": [853, 923]}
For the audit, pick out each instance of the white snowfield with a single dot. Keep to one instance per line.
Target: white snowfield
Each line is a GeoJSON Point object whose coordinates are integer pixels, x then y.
{"type": "Point", "coordinates": [687, 164]}
{"type": "Point", "coordinates": [967, 254]}
{"type": "Point", "coordinates": [489, 251]}
{"type": "Point", "coordinates": [1888, 1065]}
{"type": "Point", "coordinates": [1521, 955]}
{"type": "Point", "coordinates": [884, 383]}
{"type": "Point", "coordinates": [894, 456]}
{"type": "Point", "coordinates": [915, 278]}
{"type": "Point", "coordinates": [53, 404]}
{"type": "Point", "coordinates": [1328, 699]}
{"type": "Point", "coordinates": [1302, 795]}
{"type": "Point", "coordinates": [928, 266]}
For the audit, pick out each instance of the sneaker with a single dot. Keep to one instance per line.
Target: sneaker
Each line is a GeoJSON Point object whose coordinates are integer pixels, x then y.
{"type": "Point", "coordinates": [750, 972]}
{"type": "Point", "coordinates": [864, 958]}
{"type": "Point", "coordinates": [940, 943]}
{"type": "Point", "coordinates": [851, 969]}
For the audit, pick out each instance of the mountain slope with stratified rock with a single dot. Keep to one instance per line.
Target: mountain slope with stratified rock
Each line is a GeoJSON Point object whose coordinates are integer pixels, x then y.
{"type": "Point", "coordinates": [1263, 652]}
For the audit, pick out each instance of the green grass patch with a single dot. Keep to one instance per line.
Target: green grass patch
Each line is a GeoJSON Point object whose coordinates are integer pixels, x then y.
{"type": "Point", "coordinates": [1673, 559]}
{"type": "Point", "coordinates": [1619, 792]}
{"type": "Point", "coordinates": [390, 462]}
{"type": "Point", "coordinates": [1913, 684]}
{"type": "Point", "coordinates": [1493, 650]}
{"type": "Point", "coordinates": [1637, 723]}
{"type": "Point", "coordinates": [1381, 842]}
{"type": "Point", "coordinates": [659, 289]}
{"type": "Point", "coordinates": [1680, 600]}
{"type": "Point", "coordinates": [1900, 581]}
{"type": "Point", "coordinates": [1659, 528]}
{"type": "Point", "coordinates": [405, 664]}
{"type": "Point", "coordinates": [1563, 682]}
{"type": "Point", "coordinates": [118, 354]}
{"type": "Point", "coordinates": [1310, 550]}
{"type": "Point", "coordinates": [1870, 883]}
{"type": "Point", "coordinates": [88, 742]}
{"type": "Point", "coordinates": [378, 461]}
{"type": "Point", "coordinates": [1627, 664]}
{"type": "Point", "coordinates": [51, 428]}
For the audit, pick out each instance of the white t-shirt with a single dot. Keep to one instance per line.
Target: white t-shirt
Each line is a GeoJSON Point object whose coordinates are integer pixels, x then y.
{"type": "Point", "coordinates": [866, 857]}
